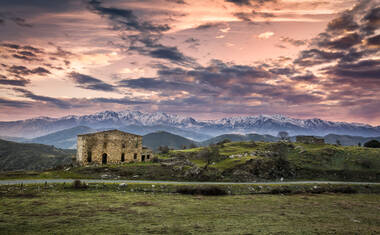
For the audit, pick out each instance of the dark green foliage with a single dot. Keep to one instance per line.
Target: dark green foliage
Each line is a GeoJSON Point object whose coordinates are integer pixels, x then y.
{"type": "Point", "coordinates": [221, 143]}
{"type": "Point", "coordinates": [372, 144]}
{"type": "Point", "coordinates": [283, 135]}
{"type": "Point", "coordinates": [281, 190]}
{"type": "Point", "coordinates": [210, 154]}
{"type": "Point", "coordinates": [206, 191]}
{"type": "Point", "coordinates": [19, 156]}
{"type": "Point", "coordinates": [77, 184]}
{"type": "Point", "coordinates": [155, 160]}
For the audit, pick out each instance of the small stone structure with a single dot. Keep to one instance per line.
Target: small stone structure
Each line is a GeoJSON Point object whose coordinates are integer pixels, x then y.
{"type": "Point", "coordinates": [111, 146]}
{"type": "Point", "coordinates": [309, 139]}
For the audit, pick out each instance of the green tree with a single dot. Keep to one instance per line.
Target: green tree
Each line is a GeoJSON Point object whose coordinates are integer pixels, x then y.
{"type": "Point", "coordinates": [284, 136]}
{"type": "Point", "coordinates": [372, 144]}
{"type": "Point", "coordinates": [210, 154]}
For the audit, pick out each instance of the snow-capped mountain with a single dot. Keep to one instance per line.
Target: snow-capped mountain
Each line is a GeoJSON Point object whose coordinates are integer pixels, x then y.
{"type": "Point", "coordinates": [125, 120]}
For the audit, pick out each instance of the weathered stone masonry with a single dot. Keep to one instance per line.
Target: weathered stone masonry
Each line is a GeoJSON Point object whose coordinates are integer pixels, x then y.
{"type": "Point", "coordinates": [110, 147]}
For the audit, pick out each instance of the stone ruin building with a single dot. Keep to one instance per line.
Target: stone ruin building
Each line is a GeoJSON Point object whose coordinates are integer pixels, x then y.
{"type": "Point", "coordinates": [112, 147]}
{"type": "Point", "coordinates": [309, 139]}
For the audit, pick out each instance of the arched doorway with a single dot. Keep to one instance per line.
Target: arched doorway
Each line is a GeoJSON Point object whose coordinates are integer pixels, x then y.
{"type": "Point", "coordinates": [143, 158]}
{"type": "Point", "coordinates": [104, 158]}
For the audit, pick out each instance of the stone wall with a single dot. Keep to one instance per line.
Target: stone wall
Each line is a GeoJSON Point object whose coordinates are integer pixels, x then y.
{"type": "Point", "coordinates": [109, 147]}
{"type": "Point", "coordinates": [309, 140]}
{"type": "Point", "coordinates": [147, 154]}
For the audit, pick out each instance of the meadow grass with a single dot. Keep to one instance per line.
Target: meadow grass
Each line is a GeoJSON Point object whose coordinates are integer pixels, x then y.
{"type": "Point", "coordinates": [123, 212]}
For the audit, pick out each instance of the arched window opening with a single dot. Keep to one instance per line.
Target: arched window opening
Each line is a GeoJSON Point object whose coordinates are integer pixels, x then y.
{"type": "Point", "coordinates": [135, 156]}
{"type": "Point", "coordinates": [148, 156]}
{"type": "Point", "coordinates": [104, 158]}
{"type": "Point", "coordinates": [122, 157]}
{"type": "Point", "coordinates": [89, 156]}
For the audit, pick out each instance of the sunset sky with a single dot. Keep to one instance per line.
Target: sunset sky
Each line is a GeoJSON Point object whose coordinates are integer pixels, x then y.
{"type": "Point", "coordinates": [202, 58]}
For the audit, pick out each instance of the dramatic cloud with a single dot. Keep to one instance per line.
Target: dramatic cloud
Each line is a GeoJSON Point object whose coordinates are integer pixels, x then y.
{"type": "Point", "coordinates": [22, 70]}
{"type": "Point", "coordinates": [13, 82]}
{"type": "Point", "coordinates": [265, 35]}
{"type": "Point", "coordinates": [240, 2]}
{"type": "Point", "coordinates": [203, 58]}
{"type": "Point", "coordinates": [88, 82]}
{"type": "Point", "coordinates": [125, 18]}
{"type": "Point", "coordinates": [57, 102]}
{"type": "Point", "coordinates": [13, 103]}
{"type": "Point", "coordinates": [293, 42]}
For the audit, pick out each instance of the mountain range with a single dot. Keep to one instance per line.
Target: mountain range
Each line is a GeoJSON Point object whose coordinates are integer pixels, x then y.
{"type": "Point", "coordinates": [67, 139]}
{"type": "Point", "coordinates": [198, 130]}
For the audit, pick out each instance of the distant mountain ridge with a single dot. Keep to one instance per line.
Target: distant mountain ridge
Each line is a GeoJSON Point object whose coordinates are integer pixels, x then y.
{"type": "Point", "coordinates": [186, 126]}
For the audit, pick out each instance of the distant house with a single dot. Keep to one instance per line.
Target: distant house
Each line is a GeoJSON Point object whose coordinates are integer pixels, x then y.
{"type": "Point", "coordinates": [309, 139]}
{"type": "Point", "coordinates": [111, 146]}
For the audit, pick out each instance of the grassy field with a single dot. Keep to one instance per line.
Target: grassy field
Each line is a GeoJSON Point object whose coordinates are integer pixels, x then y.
{"type": "Point", "coordinates": [82, 211]}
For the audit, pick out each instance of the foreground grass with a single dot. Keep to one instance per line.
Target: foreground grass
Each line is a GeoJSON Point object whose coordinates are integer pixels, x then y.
{"type": "Point", "coordinates": [117, 212]}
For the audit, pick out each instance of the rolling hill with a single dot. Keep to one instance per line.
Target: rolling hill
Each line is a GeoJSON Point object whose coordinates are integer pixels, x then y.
{"type": "Point", "coordinates": [162, 138]}
{"type": "Point", "coordinates": [348, 140]}
{"type": "Point", "coordinates": [22, 156]}
{"type": "Point", "coordinates": [65, 139]}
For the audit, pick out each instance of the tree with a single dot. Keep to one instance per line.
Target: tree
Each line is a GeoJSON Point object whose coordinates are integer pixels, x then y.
{"type": "Point", "coordinates": [359, 144]}
{"type": "Point", "coordinates": [221, 143]}
{"type": "Point", "coordinates": [338, 142]}
{"type": "Point", "coordinates": [372, 144]}
{"type": "Point", "coordinates": [192, 145]}
{"type": "Point", "coordinates": [210, 154]}
{"type": "Point", "coordinates": [284, 136]}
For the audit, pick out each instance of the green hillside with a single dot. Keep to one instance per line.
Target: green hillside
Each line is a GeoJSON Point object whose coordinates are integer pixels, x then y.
{"type": "Point", "coordinates": [240, 138]}
{"type": "Point", "coordinates": [247, 161]}
{"type": "Point", "coordinates": [348, 140]}
{"type": "Point", "coordinates": [19, 156]}
{"type": "Point", "coordinates": [162, 138]}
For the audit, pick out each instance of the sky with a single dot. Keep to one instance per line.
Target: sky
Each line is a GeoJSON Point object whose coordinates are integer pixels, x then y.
{"type": "Point", "coordinates": [202, 58]}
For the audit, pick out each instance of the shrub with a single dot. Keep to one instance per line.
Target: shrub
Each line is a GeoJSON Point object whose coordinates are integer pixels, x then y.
{"type": "Point", "coordinates": [207, 191]}
{"type": "Point", "coordinates": [372, 144]}
{"type": "Point", "coordinates": [346, 189]}
{"type": "Point", "coordinates": [155, 160]}
{"type": "Point", "coordinates": [281, 191]}
{"type": "Point", "coordinates": [225, 141]}
{"type": "Point", "coordinates": [77, 184]}
{"type": "Point", "coordinates": [210, 154]}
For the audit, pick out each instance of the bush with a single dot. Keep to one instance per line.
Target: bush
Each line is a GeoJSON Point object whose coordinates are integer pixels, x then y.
{"type": "Point", "coordinates": [207, 191]}
{"type": "Point", "coordinates": [155, 160]}
{"type": "Point", "coordinates": [225, 141]}
{"type": "Point", "coordinates": [210, 154]}
{"type": "Point", "coordinates": [77, 184]}
{"type": "Point", "coordinates": [372, 144]}
{"type": "Point", "coordinates": [281, 191]}
{"type": "Point", "coordinates": [346, 189]}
